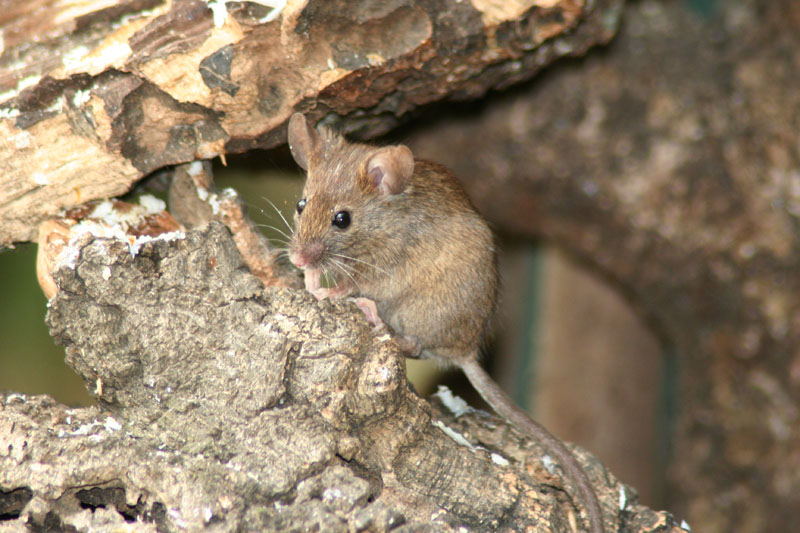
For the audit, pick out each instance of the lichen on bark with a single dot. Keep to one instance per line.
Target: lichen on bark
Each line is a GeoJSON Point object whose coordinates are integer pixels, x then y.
{"type": "Point", "coordinates": [224, 405]}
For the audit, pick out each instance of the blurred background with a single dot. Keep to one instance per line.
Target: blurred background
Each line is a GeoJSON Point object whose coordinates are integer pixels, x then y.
{"type": "Point", "coordinates": [567, 346]}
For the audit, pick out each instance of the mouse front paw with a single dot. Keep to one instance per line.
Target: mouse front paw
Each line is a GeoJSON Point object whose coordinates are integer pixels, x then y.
{"type": "Point", "coordinates": [370, 311]}
{"type": "Point", "coordinates": [332, 292]}
{"type": "Point", "coordinates": [311, 279]}
{"type": "Point", "coordinates": [321, 293]}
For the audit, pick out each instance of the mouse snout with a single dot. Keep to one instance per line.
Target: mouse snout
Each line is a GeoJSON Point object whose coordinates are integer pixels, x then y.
{"type": "Point", "coordinates": [307, 255]}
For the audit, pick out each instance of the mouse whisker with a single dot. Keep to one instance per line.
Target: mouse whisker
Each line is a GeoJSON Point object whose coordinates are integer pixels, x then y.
{"type": "Point", "coordinates": [350, 270]}
{"type": "Point", "coordinates": [341, 263]}
{"type": "Point", "coordinates": [280, 231]}
{"type": "Point", "coordinates": [255, 207]}
{"type": "Point", "coordinates": [343, 269]}
{"type": "Point", "coordinates": [326, 276]}
{"type": "Point", "coordinates": [289, 226]}
{"type": "Point", "coordinates": [367, 263]}
{"type": "Point", "coordinates": [276, 244]}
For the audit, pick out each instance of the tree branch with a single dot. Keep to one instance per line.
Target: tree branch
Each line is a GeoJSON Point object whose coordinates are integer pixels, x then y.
{"type": "Point", "coordinates": [224, 404]}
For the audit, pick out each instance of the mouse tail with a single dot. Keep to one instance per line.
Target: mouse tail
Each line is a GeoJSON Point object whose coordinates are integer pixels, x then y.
{"type": "Point", "coordinates": [504, 406]}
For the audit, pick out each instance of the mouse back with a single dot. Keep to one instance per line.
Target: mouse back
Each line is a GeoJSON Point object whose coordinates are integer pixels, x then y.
{"type": "Point", "coordinates": [398, 231]}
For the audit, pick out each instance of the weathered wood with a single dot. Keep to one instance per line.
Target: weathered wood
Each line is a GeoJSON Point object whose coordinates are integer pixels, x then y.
{"type": "Point", "coordinates": [227, 406]}
{"type": "Point", "coordinates": [95, 96]}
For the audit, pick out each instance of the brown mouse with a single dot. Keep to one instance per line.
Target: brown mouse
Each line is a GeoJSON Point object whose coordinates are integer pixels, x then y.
{"type": "Point", "coordinates": [402, 235]}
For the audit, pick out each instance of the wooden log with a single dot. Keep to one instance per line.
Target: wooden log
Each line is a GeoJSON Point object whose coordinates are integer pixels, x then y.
{"type": "Point", "coordinates": [228, 406]}
{"type": "Point", "coordinates": [93, 96]}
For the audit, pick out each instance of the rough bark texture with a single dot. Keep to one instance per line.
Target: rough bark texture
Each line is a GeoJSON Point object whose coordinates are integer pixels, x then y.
{"type": "Point", "coordinates": [671, 163]}
{"type": "Point", "coordinates": [194, 201]}
{"type": "Point", "coordinates": [94, 98]}
{"type": "Point", "coordinates": [226, 406]}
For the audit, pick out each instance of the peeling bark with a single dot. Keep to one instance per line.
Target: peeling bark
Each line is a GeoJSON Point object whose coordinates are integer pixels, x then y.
{"type": "Point", "coordinates": [91, 101]}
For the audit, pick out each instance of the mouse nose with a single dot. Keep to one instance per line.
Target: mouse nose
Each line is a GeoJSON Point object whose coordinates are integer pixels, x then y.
{"type": "Point", "coordinates": [307, 255]}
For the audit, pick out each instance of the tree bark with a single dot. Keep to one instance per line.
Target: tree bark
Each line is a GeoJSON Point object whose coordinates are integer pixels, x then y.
{"type": "Point", "coordinates": [227, 406]}
{"type": "Point", "coordinates": [669, 163]}
{"type": "Point", "coordinates": [94, 98]}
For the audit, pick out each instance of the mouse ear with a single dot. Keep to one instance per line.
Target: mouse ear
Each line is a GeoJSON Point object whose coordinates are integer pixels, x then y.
{"type": "Point", "coordinates": [390, 169]}
{"type": "Point", "coordinates": [303, 140]}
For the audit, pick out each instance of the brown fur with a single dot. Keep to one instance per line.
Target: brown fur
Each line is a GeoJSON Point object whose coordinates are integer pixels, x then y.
{"type": "Point", "coordinates": [436, 275]}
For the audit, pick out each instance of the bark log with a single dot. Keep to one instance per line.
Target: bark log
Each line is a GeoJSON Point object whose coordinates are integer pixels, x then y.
{"type": "Point", "coordinates": [679, 183]}
{"type": "Point", "coordinates": [227, 406]}
{"type": "Point", "coordinates": [670, 163]}
{"type": "Point", "coordinates": [95, 97]}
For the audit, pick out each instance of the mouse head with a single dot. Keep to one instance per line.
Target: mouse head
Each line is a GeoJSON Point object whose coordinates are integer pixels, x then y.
{"type": "Point", "coordinates": [350, 190]}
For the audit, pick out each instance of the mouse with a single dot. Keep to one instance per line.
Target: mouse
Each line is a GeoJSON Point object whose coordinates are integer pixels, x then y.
{"type": "Point", "coordinates": [401, 237]}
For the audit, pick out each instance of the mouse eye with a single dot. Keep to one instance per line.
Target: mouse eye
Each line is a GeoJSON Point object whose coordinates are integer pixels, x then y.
{"type": "Point", "coordinates": [301, 205]}
{"type": "Point", "coordinates": [341, 219]}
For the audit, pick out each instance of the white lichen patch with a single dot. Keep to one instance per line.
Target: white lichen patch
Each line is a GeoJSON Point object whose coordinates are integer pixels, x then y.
{"type": "Point", "coordinates": [195, 168]}
{"type": "Point", "coordinates": [454, 404]}
{"type": "Point", "coordinates": [106, 213]}
{"type": "Point", "coordinates": [151, 204]}
{"type": "Point", "coordinates": [111, 424]}
{"type": "Point", "coordinates": [83, 430]}
{"type": "Point", "coordinates": [276, 5]}
{"type": "Point", "coordinates": [549, 464]}
{"type": "Point", "coordinates": [40, 178]}
{"type": "Point", "coordinates": [499, 459]}
{"type": "Point", "coordinates": [138, 242]}
{"type": "Point", "coordinates": [78, 233]}
{"type": "Point", "coordinates": [176, 516]}
{"type": "Point", "coordinates": [56, 107]}
{"type": "Point", "coordinates": [215, 199]}
{"type": "Point", "coordinates": [453, 434]}
{"type": "Point", "coordinates": [26, 82]}
{"type": "Point", "coordinates": [8, 112]}
{"type": "Point", "coordinates": [15, 396]}
{"type": "Point", "coordinates": [68, 256]}
{"type": "Point", "coordinates": [110, 222]}
{"type": "Point", "coordinates": [386, 337]}
{"type": "Point", "coordinates": [81, 97]}
{"type": "Point", "coordinates": [22, 140]}
{"type": "Point", "coordinates": [220, 11]}
{"type": "Point", "coordinates": [332, 494]}
{"type": "Point", "coordinates": [111, 54]}
{"type": "Point", "coordinates": [72, 58]}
